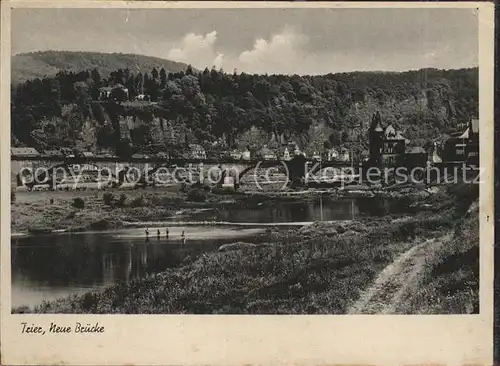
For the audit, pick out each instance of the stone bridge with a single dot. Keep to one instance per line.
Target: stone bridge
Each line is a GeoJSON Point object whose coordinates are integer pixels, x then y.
{"type": "Point", "coordinates": [32, 171]}
{"type": "Point", "coordinates": [141, 173]}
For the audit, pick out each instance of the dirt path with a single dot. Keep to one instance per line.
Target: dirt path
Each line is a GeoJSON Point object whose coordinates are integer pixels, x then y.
{"type": "Point", "coordinates": [384, 295]}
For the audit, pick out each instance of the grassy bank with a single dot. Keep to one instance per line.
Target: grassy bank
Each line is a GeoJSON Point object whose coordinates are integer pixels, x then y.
{"type": "Point", "coordinates": [42, 212]}
{"type": "Point", "coordinates": [450, 280]}
{"type": "Point", "coordinates": [98, 210]}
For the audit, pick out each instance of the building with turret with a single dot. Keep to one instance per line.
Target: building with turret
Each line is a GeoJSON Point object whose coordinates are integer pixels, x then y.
{"type": "Point", "coordinates": [387, 145]}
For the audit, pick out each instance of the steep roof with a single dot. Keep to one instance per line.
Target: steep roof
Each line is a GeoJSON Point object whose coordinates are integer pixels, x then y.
{"type": "Point", "coordinates": [390, 132]}
{"type": "Point", "coordinates": [376, 124]}
{"type": "Point", "coordinates": [463, 135]}
{"type": "Point", "coordinates": [435, 158]}
{"type": "Point", "coordinates": [399, 136]}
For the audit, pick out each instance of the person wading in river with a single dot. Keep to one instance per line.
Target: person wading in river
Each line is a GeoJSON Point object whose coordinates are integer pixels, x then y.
{"type": "Point", "coordinates": [183, 237]}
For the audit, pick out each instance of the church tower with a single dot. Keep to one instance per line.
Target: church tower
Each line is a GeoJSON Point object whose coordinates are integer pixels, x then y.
{"type": "Point", "coordinates": [376, 133]}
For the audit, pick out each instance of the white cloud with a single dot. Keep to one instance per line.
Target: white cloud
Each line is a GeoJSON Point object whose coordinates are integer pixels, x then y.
{"type": "Point", "coordinates": [197, 50]}
{"type": "Point", "coordinates": [280, 54]}
{"type": "Point", "coordinates": [287, 52]}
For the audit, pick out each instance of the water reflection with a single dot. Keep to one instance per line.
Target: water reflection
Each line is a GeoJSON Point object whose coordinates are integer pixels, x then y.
{"type": "Point", "coordinates": [48, 267]}
{"type": "Point", "coordinates": [325, 209]}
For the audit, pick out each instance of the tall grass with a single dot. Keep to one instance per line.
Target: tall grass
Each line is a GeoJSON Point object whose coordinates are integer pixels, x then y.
{"type": "Point", "coordinates": [450, 280]}
{"type": "Point", "coordinates": [320, 274]}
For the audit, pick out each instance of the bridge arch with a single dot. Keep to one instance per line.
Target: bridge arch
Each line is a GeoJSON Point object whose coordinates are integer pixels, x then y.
{"type": "Point", "coordinates": [48, 175]}
{"type": "Point", "coordinates": [265, 164]}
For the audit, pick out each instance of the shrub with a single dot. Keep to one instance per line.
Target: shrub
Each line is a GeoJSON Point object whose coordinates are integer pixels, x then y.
{"type": "Point", "coordinates": [78, 203]}
{"type": "Point", "coordinates": [196, 195]}
{"type": "Point", "coordinates": [108, 198]}
{"type": "Point", "coordinates": [463, 195]}
{"type": "Point", "coordinates": [202, 186]}
{"type": "Point", "coordinates": [122, 199]}
{"type": "Point", "coordinates": [137, 202]}
{"type": "Point", "coordinates": [12, 196]}
{"type": "Point", "coordinates": [89, 301]}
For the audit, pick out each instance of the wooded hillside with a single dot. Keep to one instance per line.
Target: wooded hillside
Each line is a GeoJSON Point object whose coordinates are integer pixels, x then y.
{"type": "Point", "coordinates": [238, 109]}
{"type": "Point", "coordinates": [26, 66]}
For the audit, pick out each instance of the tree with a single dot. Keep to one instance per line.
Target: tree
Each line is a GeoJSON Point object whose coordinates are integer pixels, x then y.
{"type": "Point", "coordinates": [336, 138]}
{"type": "Point", "coordinates": [96, 77]}
{"type": "Point", "coordinates": [96, 83]}
{"type": "Point", "coordinates": [83, 98]}
{"type": "Point", "coordinates": [163, 78]}
{"type": "Point", "coordinates": [139, 83]}
{"type": "Point", "coordinates": [118, 94]}
{"type": "Point", "coordinates": [124, 149]}
{"type": "Point", "coordinates": [154, 74]}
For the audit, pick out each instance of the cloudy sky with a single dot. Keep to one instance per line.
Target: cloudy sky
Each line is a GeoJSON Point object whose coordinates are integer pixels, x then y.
{"type": "Point", "coordinates": [302, 41]}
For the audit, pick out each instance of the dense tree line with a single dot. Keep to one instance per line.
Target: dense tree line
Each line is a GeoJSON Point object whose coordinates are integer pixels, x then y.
{"type": "Point", "coordinates": [214, 105]}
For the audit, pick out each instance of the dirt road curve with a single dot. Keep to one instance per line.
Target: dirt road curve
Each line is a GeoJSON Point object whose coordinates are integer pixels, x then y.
{"type": "Point", "coordinates": [384, 295]}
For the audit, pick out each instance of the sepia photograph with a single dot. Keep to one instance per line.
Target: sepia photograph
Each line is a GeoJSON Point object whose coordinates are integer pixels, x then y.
{"type": "Point", "coordinates": [246, 160]}
{"type": "Point", "coordinates": [272, 166]}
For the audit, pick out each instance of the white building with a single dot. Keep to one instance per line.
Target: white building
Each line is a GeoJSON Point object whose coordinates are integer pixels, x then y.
{"type": "Point", "coordinates": [286, 154]}
{"type": "Point", "coordinates": [332, 154]}
{"type": "Point", "coordinates": [316, 156]}
{"type": "Point", "coordinates": [236, 155]}
{"type": "Point", "coordinates": [344, 155]}
{"type": "Point", "coordinates": [246, 155]}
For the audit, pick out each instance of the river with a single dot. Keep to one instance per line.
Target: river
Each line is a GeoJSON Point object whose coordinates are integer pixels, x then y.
{"type": "Point", "coordinates": [53, 266]}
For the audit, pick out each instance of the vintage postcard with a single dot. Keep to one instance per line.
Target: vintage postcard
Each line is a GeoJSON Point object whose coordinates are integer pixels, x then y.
{"type": "Point", "coordinates": [246, 183]}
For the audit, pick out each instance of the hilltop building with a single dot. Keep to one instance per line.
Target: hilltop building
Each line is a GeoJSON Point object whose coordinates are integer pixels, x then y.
{"type": "Point", "coordinates": [387, 145]}
{"type": "Point", "coordinates": [109, 92]}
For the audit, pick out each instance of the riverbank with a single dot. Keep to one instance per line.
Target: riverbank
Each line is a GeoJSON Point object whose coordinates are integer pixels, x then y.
{"type": "Point", "coordinates": [48, 212]}
{"type": "Point", "coordinates": [62, 211]}
{"type": "Point", "coordinates": [322, 268]}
